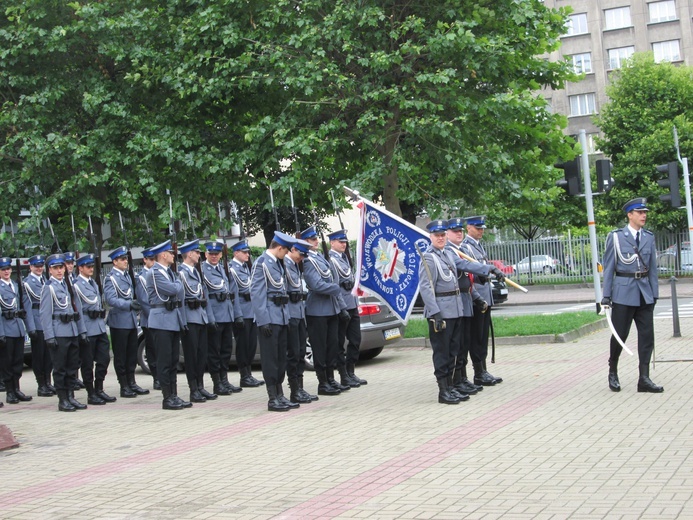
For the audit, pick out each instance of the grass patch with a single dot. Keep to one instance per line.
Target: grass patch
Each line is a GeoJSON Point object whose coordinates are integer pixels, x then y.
{"type": "Point", "coordinates": [528, 325]}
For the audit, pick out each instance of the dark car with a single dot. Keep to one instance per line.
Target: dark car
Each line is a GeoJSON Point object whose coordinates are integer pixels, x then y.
{"type": "Point", "coordinates": [499, 291]}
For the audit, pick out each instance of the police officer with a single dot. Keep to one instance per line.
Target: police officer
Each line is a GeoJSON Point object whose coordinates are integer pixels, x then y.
{"type": "Point", "coordinates": [296, 344]}
{"type": "Point", "coordinates": [12, 333]}
{"type": "Point", "coordinates": [97, 349]}
{"type": "Point", "coordinates": [72, 274]}
{"type": "Point", "coordinates": [631, 289]}
{"type": "Point", "coordinates": [481, 321]}
{"type": "Point", "coordinates": [122, 320]}
{"type": "Point", "coordinates": [349, 331]}
{"type": "Point", "coordinates": [443, 305]}
{"type": "Point", "coordinates": [245, 332]}
{"type": "Point", "coordinates": [166, 321]}
{"type": "Point", "coordinates": [195, 312]}
{"type": "Point", "coordinates": [63, 330]}
{"type": "Point", "coordinates": [143, 300]}
{"type": "Point", "coordinates": [224, 309]}
{"type": "Point", "coordinates": [270, 299]}
{"type": "Point", "coordinates": [41, 362]}
{"type": "Point", "coordinates": [325, 307]}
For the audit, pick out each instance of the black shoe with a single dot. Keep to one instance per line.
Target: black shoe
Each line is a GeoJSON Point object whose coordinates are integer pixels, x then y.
{"type": "Point", "coordinates": [43, 391]}
{"type": "Point", "coordinates": [207, 395]}
{"type": "Point", "coordinates": [328, 389]}
{"type": "Point", "coordinates": [232, 388]}
{"type": "Point", "coordinates": [459, 395]}
{"type": "Point", "coordinates": [357, 379]}
{"type": "Point", "coordinates": [170, 404]}
{"type": "Point", "coordinates": [220, 389]}
{"type": "Point", "coordinates": [156, 385]}
{"type": "Point", "coordinates": [126, 391]}
{"type": "Point", "coordinates": [300, 397]}
{"type": "Point", "coordinates": [21, 396]}
{"type": "Point", "coordinates": [275, 405]}
{"type": "Point", "coordinates": [104, 396]}
{"type": "Point", "coordinates": [78, 384]}
{"type": "Point", "coordinates": [64, 404]}
{"type": "Point", "coordinates": [184, 404]}
{"type": "Point", "coordinates": [646, 385]}
{"type": "Point", "coordinates": [249, 381]}
{"type": "Point", "coordinates": [95, 399]}
{"type": "Point", "coordinates": [465, 388]}
{"type": "Point", "coordinates": [74, 402]}
{"type": "Point", "coordinates": [613, 382]}
{"type": "Point", "coordinates": [11, 398]}
{"type": "Point", "coordinates": [51, 388]}
{"type": "Point", "coordinates": [496, 379]}
{"type": "Point", "coordinates": [484, 379]}
{"type": "Point", "coordinates": [307, 395]}
{"type": "Point", "coordinates": [137, 388]}
{"type": "Point", "coordinates": [282, 399]}
{"type": "Point", "coordinates": [259, 382]}
{"type": "Point", "coordinates": [197, 397]}
{"type": "Point", "coordinates": [338, 386]}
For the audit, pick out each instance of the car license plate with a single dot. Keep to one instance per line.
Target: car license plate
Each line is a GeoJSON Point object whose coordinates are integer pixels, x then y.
{"type": "Point", "coordinates": [504, 291]}
{"type": "Point", "coordinates": [392, 333]}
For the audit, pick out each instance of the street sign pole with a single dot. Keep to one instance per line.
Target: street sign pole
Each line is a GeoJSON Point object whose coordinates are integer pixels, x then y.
{"type": "Point", "coordinates": [687, 185]}
{"type": "Point", "coordinates": [590, 219]}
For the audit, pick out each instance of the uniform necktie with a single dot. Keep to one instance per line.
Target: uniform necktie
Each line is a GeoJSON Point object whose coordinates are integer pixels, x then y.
{"type": "Point", "coordinates": [637, 239]}
{"type": "Point", "coordinates": [169, 272]}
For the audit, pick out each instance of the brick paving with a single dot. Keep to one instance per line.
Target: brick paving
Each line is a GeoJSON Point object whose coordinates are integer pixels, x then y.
{"type": "Point", "coordinates": [551, 441]}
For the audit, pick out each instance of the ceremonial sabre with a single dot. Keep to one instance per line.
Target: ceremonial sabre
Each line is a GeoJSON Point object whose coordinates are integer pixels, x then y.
{"type": "Point", "coordinates": [430, 279]}
{"type": "Point", "coordinates": [607, 311]}
{"type": "Point", "coordinates": [507, 280]}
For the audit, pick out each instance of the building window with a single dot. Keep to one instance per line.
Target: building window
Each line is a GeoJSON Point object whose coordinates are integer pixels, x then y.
{"type": "Point", "coordinates": [666, 51]}
{"type": "Point", "coordinates": [582, 105]}
{"type": "Point", "coordinates": [618, 57]}
{"type": "Point", "coordinates": [576, 24]}
{"type": "Point", "coordinates": [582, 63]}
{"type": "Point", "coordinates": [617, 18]}
{"type": "Point", "coordinates": [662, 11]}
{"type": "Point", "coordinates": [592, 147]}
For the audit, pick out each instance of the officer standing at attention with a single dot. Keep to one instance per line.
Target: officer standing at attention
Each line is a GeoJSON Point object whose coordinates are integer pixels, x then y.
{"type": "Point", "coordinates": [443, 306]}
{"type": "Point", "coordinates": [296, 344]}
{"type": "Point", "coordinates": [143, 300]}
{"type": "Point", "coordinates": [195, 315]}
{"type": "Point", "coordinates": [63, 331]}
{"type": "Point", "coordinates": [481, 322]}
{"type": "Point", "coordinates": [97, 350]}
{"type": "Point", "coordinates": [270, 306]}
{"type": "Point", "coordinates": [122, 320]}
{"type": "Point", "coordinates": [41, 362]}
{"type": "Point", "coordinates": [245, 332]}
{"type": "Point", "coordinates": [631, 289]}
{"type": "Point", "coordinates": [12, 333]}
{"type": "Point", "coordinates": [349, 331]}
{"type": "Point", "coordinates": [325, 307]}
{"type": "Point", "coordinates": [72, 274]}
{"type": "Point", "coordinates": [224, 308]}
{"type": "Point", "coordinates": [166, 321]}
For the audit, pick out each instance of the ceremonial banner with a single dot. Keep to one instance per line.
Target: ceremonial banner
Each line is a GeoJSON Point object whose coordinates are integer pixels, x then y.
{"type": "Point", "coordinates": [386, 258]}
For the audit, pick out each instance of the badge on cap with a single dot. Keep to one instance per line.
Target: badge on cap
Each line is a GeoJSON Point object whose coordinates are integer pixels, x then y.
{"type": "Point", "coordinates": [436, 226]}
{"type": "Point", "coordinates": [639, 204]}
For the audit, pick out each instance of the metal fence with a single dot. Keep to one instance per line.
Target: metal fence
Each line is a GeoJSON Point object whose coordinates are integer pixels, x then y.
{"type": "Point", "coordinates": [569, 259]}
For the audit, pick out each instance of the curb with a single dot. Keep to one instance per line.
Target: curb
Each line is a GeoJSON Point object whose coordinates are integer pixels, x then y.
{"type": "Point", "coordinates": [566, 337]}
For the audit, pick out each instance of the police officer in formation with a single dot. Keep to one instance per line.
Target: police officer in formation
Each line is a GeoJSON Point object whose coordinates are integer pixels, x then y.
{"type": "Point", "coordinates": [195, 315]}
{"type": "Point", "coordinates": [481, 321]}
{"type": "Point", "coordinates": [63, 330]}
{"type": "Point", "coordinates": [349, 331]}
{"type": "Point", "coordinates": [224, 309]}
{"type": "Point", "coordinates": [96, 351]}
{"type": "Point", "coordinates": [122, 319]}
{"type": "Point", "coordinates": [143, 300]}
{"type": "Point", "coordinates": [270, 300]}
{"type": "Point", "coordinates": [71, 273]}
{"type": "Point", "coordinates": [166, 321]}
{"type": "Point", "coordinates": [325, 307]}
{"type": "Point", "coordinates": [296, 343]}
{"type": "Point", "coordinates": [12, 334]}
{"type": "Point", "coordinates": [631, 289]}
{"type": "Point", "coordinates": [444, 306]}
{"type": "Point", "coordinates": [41, 362]}
{"type": "Point", "coordinates": [244, 331]}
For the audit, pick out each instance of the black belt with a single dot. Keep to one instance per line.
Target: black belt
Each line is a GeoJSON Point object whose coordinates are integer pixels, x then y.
{"type": "Point", "coordinates": [245, 296]}
{"type": "Point", "coordinates": [35, 305]}
{"type": "Point", "coordinates": [222, 296]}
{"type": "Point", "coordinates": [637, 275]}
{"type": "Point", "coordinates": [10, 315]}
{"type": "Point", "coordinates": [279, 299]}
{"type": "Point", "coordinates": [66, 318]}
{"type": "Point", "coordinates": [168, 305]}
{"type": "Point", "coordinates": [196, 304]}
{"type": "Point", "coordinates": [95, 314]}
{"type": "Point", "coordinates": [449, 293]}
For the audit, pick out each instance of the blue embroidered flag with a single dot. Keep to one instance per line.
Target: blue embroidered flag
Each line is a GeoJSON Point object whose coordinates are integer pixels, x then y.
{"type": "Point", "coordinates": [386, 258]}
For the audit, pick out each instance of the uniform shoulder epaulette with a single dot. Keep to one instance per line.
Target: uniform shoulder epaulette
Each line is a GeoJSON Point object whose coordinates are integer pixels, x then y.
{"type": "Point", "coordinates": [647, 232]}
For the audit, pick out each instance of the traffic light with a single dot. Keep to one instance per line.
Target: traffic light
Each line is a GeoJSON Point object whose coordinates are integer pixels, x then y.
{"type": "Point", "coordinates": [571, 173]}
{"type": "Point", "coordinates": [671, 182]}
{"type": "Point", "coordinates": [604, 179]}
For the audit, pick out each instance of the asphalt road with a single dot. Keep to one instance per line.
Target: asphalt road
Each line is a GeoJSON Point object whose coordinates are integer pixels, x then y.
{"type": "Point", "coordinates": [663, 310]}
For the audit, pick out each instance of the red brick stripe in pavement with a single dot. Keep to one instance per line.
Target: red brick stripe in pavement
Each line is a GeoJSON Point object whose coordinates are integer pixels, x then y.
{"type": "Point", "coordinates": [7, 440]}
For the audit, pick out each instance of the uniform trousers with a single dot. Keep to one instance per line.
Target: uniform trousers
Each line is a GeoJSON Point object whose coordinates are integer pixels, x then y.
{"type": "Point", "coordinates": [622, 316]}
{"type": "Point", "coordinates": [167, 345]}
{"type": "Point", "coordinates": [195, 352]}
{"type": "Point", "coordinates": [13, 354]}
{"type": "Point", "coordinates": [273, 355]}
{"type": "Point", "coordinates": [96, 352]}
{"type": "Point", "coordinates": [149, 350]}
{"type": "Point", "coordinates": [349, 332]}
{"type": "Point", "coordinates": [324, 340]}
{"type": "Point", "coordinates": [41, 362]}
{"type": "Point", "coordinates": [480, 325]}
{"type": "Point", "coordinates": [65, 362]}
{"type": "Point", "coordinates": [463, 340]}
{"type": "Point", "coordinates": [246, 343]}
{"type": "Point", "coordinates": [220, 347]}
{"type": "Point", "coordinates": [443, 343]}
{"type": "Point", "coordinates": [125, 346]}
{"type": "Point", "coordinates": [296, 348]}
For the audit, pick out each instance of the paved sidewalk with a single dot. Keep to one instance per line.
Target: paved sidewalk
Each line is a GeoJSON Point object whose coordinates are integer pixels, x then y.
{"type": "Point", "coordinates": [551, 441]}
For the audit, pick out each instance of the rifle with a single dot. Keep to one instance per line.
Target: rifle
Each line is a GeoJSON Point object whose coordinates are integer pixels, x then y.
{"type": "Point", "coordinates": [274, 210]}
{"type": "Point", "coordinates": [131, 270]}
{"type": "Point", "coordinates": [295, 212]}
{"type": "Point", "coordinates": [347, 251]}
{"type": "Point", "coordinates": [74, 235]}
{"type": "Point", "coordinates": [55, 239]}
{"type": "Point", "coordinates": [325, 252]}
{"type": "Point", "coordinates": [172, 231]}
{"type": "Point", "coordinates": [149, 231]}
{"type": "Point", "coordinates": [198, 265]}
{"type": "Point", "coordinates": [238, 217]}
{"type": "Point", "coordinates": [20, 284]}
{"type": "Point", "coordinates": [97, 259]}
{"type": "Point", "coordinates": [225, 249]}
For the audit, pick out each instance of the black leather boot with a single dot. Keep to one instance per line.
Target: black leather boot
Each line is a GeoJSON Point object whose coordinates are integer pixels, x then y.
{"type": "Point", "coordinates": [324, 387]}
{"type": "Point", "coordinates": [64, 404]}
{"type": "Point", "coordinates": [247, 380]}
{"type": "Point", "coordinates": [98, 390]}
{"type": "Point", "coordinates": [195, 395]}
{"type": "Point", "coordinates": [331, 380]}
{"type": "Point", "coordinates": [481, 377]}
{"type": "Point", "coordinates": [155, 384]}
{"type": "Point", "coordinates": [224, 380]}
{"type": "Point", "coordinates": [135, 387]}
{"type": "Point", "coordinates": [125, 390]}
{"type": "Point", "coordinates": [259, 382]}
{"type": "Point", "coordinates": [352, 375]}
{"type": "Point", "coordinates": [218, 388]}
{"type": "Point", "coordinates": [444, 395]}
{"type": "Point", "coordinates": [49, 385]}
{"type": "Point", "coordinates": [10, 397]}
{"type": "Point", "coordinates": [274, 404]}
{"type": "Point", "coordinates": [303, 391]}
{"type": "Point", "coordinates": [614, 384]}
{"type": "Point", "coordinates": [463, 387]}
{"type": "Point", "coordinates": [74, 402]}
{"type": "Point", "coordinates": [296, 396]}
{"type": "Point", "coordinates": [456, 393]}
{"type": "Point", "coordinates": [644, 382]}
{"type": "Point", "coordinates": [345, 378]}
{"type": "Point", "coordinates": [168, 402]}
{"type": "Point", "coordinates": [92, 396]}
{"type": "Point", "coordinates": [282, 398]}
{"type": "Point", "coordinates": [2, 386]}
{"type": "Point", "coordinates": [20, 395]}
{"type": "Point", "coordinates": [78, 384]}
{"type": "Point", "coordinates": [207, 395]}
{"type": "Point", "coordinates": [176, 397]}
{"type": "Point", "coordinates": [496, 379]}
{"type": "Point", "coordinates": [43, 390]}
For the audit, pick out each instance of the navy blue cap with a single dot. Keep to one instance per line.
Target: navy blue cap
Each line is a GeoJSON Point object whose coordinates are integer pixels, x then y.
{"type": "Point", "coordinates": [5, 261]}
{"type": "Point", "coordinates": [283, 239]}
{"type": "Point", "coordinates": [309, 233]}
{"type": "Point", "coordinates": [56, 259]}
{"type": "Point", "coordinates": [117, 253]}
{"type": "Point", "coordinates": [436, 226]}
{"type": "Point", "coordinates": [302, 247]}
{"type": "Point", "coordinates": [241, 246]}
{"type": "Point", "coordinates": [479, 221]}
{"type": "Point", "coordinates": [338, 235]}
{"type": "Point", "coordinates": [193, 245]}
{"type": "Point", "coordinates": [69, 256]}
{"type": "Point", "coordinates": [456, 223]}
{"type": "Point", "coordinates": [86, 259]}
{"type": "Point", "coordinates": [161, 248]}
{"type": "Point", "coordinates": [214, 246]}
{"type": "Point", "coordinates": [639, 204]}
{"type": "Point", "coordinates": [147, 253]}
{"type": "Point", "coordinates": [37, 260]}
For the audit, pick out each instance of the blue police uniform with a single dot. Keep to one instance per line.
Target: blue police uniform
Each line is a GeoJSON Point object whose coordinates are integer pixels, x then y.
{"type": "Point", "coordinates": [41, 362]}
{"type": "Point", "coordinates": [143, 299]}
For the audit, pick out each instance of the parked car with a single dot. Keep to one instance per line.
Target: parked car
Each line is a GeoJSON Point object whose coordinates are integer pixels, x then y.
{"type": "Point", "coordinates": [499, 291]}
{"type": "Point", "coordinates": [540, 264]}
{"type": "Point", "coordinates": [507, 270]}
